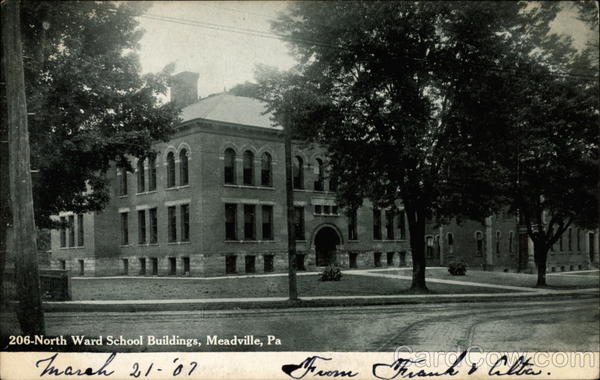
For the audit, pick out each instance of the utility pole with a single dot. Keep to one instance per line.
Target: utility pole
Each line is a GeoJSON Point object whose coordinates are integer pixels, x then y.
{"type": "Point", "coordinates": [29, 313]}
{"type": "Point", "coordinates": [289, 192]}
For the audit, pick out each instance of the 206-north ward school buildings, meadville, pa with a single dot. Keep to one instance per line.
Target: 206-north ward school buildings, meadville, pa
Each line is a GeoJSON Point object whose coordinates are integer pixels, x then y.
{"type": "Point", "coordinates": [212, 201]}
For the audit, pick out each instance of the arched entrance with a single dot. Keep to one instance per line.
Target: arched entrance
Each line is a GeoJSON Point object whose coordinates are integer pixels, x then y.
{"type": "Point", "coordinates": [326, 241]}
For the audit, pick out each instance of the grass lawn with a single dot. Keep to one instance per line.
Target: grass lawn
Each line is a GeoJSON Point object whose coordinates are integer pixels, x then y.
{"type": "Point", "coordinates": [563, 281]}
{"type": "Point", "coordinates": [192, 288]}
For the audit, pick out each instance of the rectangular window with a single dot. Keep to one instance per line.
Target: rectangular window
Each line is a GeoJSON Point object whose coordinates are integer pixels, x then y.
{"type": "Point", "coordinates": [125, 266]}
{"type": "Point", "coordinates": [230, 221]}
{"type": "Point", "coordinates": [352, 229]}
{"type": "Point", "coordinates": [172, 217]}
{"type": "Point", "coordinates": [81, 267]}
{"type": "Point", "coordinates": [300, 262]}
{"type": "Point", "coordinates": [124, 228]}
{"type": "Point", "coordinates": [230, 264]}
{"type": "Point", "coordinates": [377, 259]}
{"type": "Point", "coordinates": [318, 209]}
{"type": "Point", "coordinates": [141, 226]}
{"type": "Point", "coordinates": [123, 182]}
{"type": "Point", "coordinates": [172, 266]}
{"type": "Point", "coordinates": [299, 222]}
{"type": "Point", "coordinates": [152, 174]}
{"type": "Point", "coordinates": [185, 222]}
{"type": "Point", "coordinates": [63, 231]}
{"type": "Point", "coordinates": [143, 266]}
{"type": "Point", "coordinates": [376, 224]}
{"type": "Point", "coordinates": [250, 264]}
{"type": "Point", "coordinates": [268, 263]}
{"type": "Point", "coordinates": [326, 210]}
{"type": "Point", "coordinates": [62, 264]}
{"type": "Point", "coordinates": [267, 222]}
{"type": "Point", "coordinates": [389, 225]}
{"type": "Point", "coordinates": [390, 258]}
{"type": "Point", "coordinates": [154, 262]}
{"type": "Point", "coordinates": [186, 266]}
{"type": "Point", "coordinates": [249, 222]}
{"type": "Point", "coordinates": [80, 230]}
{"type": "Point", "coordinates": [353, 261]}
{"type": "Point", "coordinates": [402, 224]}
{"type": "Point", "coordinates": [71, 231]}
{"type": "Point", "coordinates": [334, 210]}
{"type": "Point", "coordinates": [153, 226]}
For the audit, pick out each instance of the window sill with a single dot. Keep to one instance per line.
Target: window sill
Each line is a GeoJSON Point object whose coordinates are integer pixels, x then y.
{"type": "Point", "coordinates": [250, 241]}
{"type": "Point", "coordinates": [231, 185]}
{"type": "Point", "coordinates": [123, 196]}
{"type": "Point", "coordinates": [175, 188]}
{"type": "Point", "coordinates": [147, 245]}
{"type": "Point", "coordinates": [179, 243]}
{"type": "Point", "coordinates": [146, 192]}
{"type": "Point", "coordinates": [77, 247]}
{"type": "Point", "coordinates": [326, 215]}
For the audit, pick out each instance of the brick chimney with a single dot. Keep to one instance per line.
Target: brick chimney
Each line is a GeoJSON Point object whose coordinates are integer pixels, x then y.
{"type": "Point", "coordinates": [184, 88]}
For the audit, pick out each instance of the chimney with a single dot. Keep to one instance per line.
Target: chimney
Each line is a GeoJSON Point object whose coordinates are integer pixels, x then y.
{"type": "Point", "coordinates": [184, 88]}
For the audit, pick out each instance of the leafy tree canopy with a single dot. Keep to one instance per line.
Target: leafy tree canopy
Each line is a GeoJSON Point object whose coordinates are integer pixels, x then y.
{"type": "Point", "coordinates": [89, 104]}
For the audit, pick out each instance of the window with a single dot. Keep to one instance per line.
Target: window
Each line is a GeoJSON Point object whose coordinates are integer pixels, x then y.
{"type": "Point", "coordinates": [248, 168]}
{"type": "Point", "coordinates": [352, 229]}
{"type": "Point", "coordinates": [334, 210]}
{"type": "Point", "coordinates": [154, 262]}
{"type": "Point", "coordinates": [266, 170]}
{"type": "Point", "coordinates": [230, 222]}
{"type": "Point", "coordinates": [267, 222]}
{"type": "Point", "coordinates": [123, 183]}
{"type": "Point", "coordinates": [389, 225]}
{"type": "Point", "coordinates": [450, 240]}
{"type": "Point", "coordinates": [172, 266]}
{"type": "Point", "coordinates": [172, 223]}
{"type": "Point", "coordinates": [142, 265]}
{"type": "Point", "coordinates": [429, 247]}
{"type": "Point", "coordinates": [250, 264]}
{"type": "Point", "coordinates": [63, 231]}
{"type": "Point", "coordinates": [402, 224]}
{"type": "Point", "coordinates": [186, 266]}
{"type": "Point", "coordinates": [353, 261]}
{"type": "Point", "coordinates": [327, 210]}
{"type": "Point", "coordinates": [141, 226]}
{"type": "Point", "coordinates": [498, 235]}
{"type": "Point", "coordinates": [62, 264]}
{"type": "Point", "coordinates": [510, 242]}
{"type": "Point", "coordinates": [153, 226]}
{"type": "Point", "coordinates": [152, 173]}
{"type": "Point", "coordinates": [125, 266]}
{"type": "Point", "coordinates": [141, 176]}
{"type": "Point", "coordinates": [268, 263]}
{"type": "Point", "coordinates": [230, 264]}
{"type": "Point", "coordinates": [124, 228]}
{"type": "Point", "coordinates": [377, 259]}
{"type": "Point", "coordinates": [249, 222]}
{"type": "Point", "coordinates": [569, 238]}
{"type": "Point", "coordinates": [390, 258]}
{"type": "Point", "coordinates": [184, 177]}
{"type": "Point", "coordinates": [320, 181]}
{"type": "Point", "coordinates": [299, 222]}
{"type": "Point", "coordinates": [80, 230]}
{"type": "Point", "coordinates": [298, 173]}
{"type": "Point", "coordinates": [170, 169]}
{"type": "Point", "coordinates": [376, 224]}
{"type": "Point", "coordinates": [71, 231]}
{"type": "Point", "coordinates": [300, 262]}
{"type": "Point", "coordinates": [578, 239]}
{"type": "Point", "coordinates": [318, 209]}
{"type": "Point", "coordinates": [229, 166]}
{"type": "Point", "coordinates": [479, 243]}
{"type": "Point", "coordinates": [185, 222]}
{"type": "Point", "coordinates": [81, 267]}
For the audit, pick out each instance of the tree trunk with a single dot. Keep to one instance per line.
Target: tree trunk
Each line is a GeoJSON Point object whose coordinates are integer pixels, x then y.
{"type": "Point", "coordinates": [540, 255]}
{"type": "Point", "coordinates": [29, 313]}
{"type": "Point", "coordinates": [291, 228]}
{"type": "Point", "coordinates": [416, 227]}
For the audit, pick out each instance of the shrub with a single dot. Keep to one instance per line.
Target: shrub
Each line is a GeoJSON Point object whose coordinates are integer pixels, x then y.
{"type": "Point", "coordinates": [331, 273]}
{"type": "Point", "coordinates": [457, 268]}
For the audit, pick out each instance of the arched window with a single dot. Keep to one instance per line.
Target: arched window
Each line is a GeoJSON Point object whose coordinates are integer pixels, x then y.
{"type": "Point", "coordinates": [319, 181]}
{"type": "Point", "coordinates": [265, 170]}
{"type": "Point", "coordinates": [248, 168]}
{"type": "Point", "coordinates": [152, 172]}
{"type": "Point", "coordinates": [229, 166]}
{"type": "Point", "coordinates": [298, 173]}
{"type": "Point", "coordinates": [141, 176]}
{"type": "Point", "coordinates": [184, 177]}
{"type": "Point", "coordinates": [170, 169]}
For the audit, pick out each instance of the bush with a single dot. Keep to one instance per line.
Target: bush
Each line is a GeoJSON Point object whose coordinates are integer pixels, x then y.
{"type": "Point", "coordinates": [457, 268]}
{"type": "Point", "coordinates": [331, 273]}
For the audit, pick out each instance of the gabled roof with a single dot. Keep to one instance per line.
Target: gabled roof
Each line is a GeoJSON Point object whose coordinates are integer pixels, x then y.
{"type": "Point", "coordinates": [230, 109]}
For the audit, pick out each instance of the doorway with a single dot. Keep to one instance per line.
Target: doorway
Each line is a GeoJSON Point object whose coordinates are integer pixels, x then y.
{"type": "Point", "coordinates": [326, 242]}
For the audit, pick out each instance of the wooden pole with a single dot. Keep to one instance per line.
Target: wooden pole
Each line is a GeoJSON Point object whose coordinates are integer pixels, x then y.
{"type": "Point", "coordinates": [291, 230]}
{"type": "Point", "coordinates": [29, 313]}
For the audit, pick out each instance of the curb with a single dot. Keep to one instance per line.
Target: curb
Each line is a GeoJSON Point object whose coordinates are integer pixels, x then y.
{"type": "Point", "coordinates": [305, 302]}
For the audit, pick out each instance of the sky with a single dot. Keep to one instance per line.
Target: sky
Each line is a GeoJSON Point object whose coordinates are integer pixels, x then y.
{"type": "Point", "coordinates": [224, 58]}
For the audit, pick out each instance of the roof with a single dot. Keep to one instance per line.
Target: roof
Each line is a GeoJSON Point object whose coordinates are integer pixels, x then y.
{"type": "Point", "coordinates": [230, 109]}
